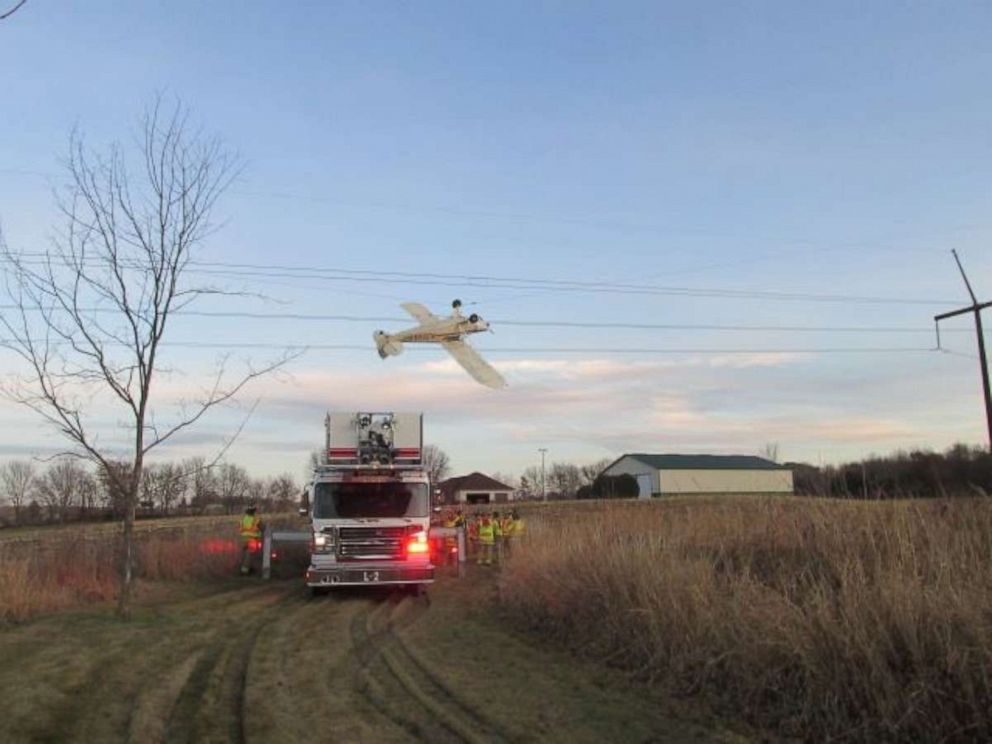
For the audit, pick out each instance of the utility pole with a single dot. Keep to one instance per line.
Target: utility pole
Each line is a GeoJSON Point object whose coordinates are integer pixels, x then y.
{"type": "Point", "coordinates": [544, 491]}
{"type": "Point", "coordinates": [975, 307]}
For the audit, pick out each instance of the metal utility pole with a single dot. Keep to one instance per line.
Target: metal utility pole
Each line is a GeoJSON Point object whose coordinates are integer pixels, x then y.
{"type": "Point", "coordinates": [975, 307]}
{"type": "Point", "coordinates": [544, 491]}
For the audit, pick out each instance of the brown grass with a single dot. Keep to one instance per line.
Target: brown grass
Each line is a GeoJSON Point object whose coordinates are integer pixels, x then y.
{"type": "Point", "coordinates": [821, 619]}
{"type": "Point", "coordinates": [67, 568]}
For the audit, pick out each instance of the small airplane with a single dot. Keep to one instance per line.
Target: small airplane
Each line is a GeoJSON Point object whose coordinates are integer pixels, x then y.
{"type": "Point", "coordinates": [447, 332]}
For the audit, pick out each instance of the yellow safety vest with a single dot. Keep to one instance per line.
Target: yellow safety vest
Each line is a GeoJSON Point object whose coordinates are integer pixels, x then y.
{"type": "Point", "coordinates": [486, 534]}
{"type": "Point", "coordinates": [518, 527]}
{"type": "Point", "coordinates": [249, 527]}
{"type": "Point", "coordinates": [497, 528]}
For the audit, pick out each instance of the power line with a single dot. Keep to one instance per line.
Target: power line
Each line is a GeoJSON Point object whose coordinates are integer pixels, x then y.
{"type": "Point", "coordinates": [318, 317]}
{"type": "Point", "coordinates": [337, 274]}
{"type": "Point", "coordinates": [265, 345]}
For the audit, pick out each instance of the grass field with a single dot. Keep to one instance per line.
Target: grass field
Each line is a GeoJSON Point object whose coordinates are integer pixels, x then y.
{"type": "Point", "coordinates": [46, 569]}
{"type": "Point", "coordinates": [612, 621]}
{"type": "Point", "coordinates": [853, 621]}
{"type": "Point", "coordinates": [246, 661]}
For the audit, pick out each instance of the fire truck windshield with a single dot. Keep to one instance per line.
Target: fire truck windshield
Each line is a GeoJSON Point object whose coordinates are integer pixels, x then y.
{"type": "Point", "coordinates": [370, 500]}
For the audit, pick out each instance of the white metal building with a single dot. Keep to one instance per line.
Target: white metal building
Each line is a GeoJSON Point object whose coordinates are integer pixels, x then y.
{"type": "Point", "coordinates": [663, 475]}
{"type": "Point", "coordinates": [475, 488]}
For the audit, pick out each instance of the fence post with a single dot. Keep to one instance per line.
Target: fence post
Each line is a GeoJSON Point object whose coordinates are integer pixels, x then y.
{"type": "Point", "coordinates": [461, 551]}
{"type": "Point", "coordinates": [267, 552]}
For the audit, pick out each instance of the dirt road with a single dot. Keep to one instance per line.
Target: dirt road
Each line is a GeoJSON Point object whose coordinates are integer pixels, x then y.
{"type": "Point", "coordinates": [253, 662]}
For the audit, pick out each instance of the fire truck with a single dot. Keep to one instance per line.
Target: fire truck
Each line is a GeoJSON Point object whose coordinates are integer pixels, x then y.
{"type": "Point", "coordinates": [369, 504]}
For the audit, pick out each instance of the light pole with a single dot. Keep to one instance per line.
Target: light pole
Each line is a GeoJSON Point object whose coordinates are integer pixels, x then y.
{"type": "Point", "coordinates": [544, 491]}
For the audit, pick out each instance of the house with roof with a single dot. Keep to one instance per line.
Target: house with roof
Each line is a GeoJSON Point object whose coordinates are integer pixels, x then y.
{"type": "Point", "coordinates": [475, 488]}
{"type": "Point", "coordinates": [665, 475]}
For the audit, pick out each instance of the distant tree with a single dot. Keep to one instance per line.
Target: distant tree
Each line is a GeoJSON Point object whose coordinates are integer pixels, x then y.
{"type": "Point", "coordinates": [201, 483]}
{"type": "Point", "coordinates": [564, 479]}
{"type": "Point", "coordinates": [533, 476]}
{"type": "Point", "coordinates": [615, 487]}
{"type": "Point", "coordinates": [32, 512]}
{"type": "Point", "coordinates": [526, 486]}
{"type": "Point", "coordinates": [17, 478]}
{"type": "Point", "coordinates": [163, 485]}
{"type": "Point", "coordinates": [436, 463]}
{"type": "Point", "coordinates": [282, 491]}
{"type": "Point", "coordinates": [61, 486]}
{"type": "Point", "coordinates": [233, 486]}
{"type": "Point", "coordinates": [770, 451]}
{"type": "Point", "coordinates": [111, 477]}
{"type": "Point", "coordinates": [590, 471]}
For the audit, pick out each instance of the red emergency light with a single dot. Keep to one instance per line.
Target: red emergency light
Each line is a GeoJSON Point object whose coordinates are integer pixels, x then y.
{"type": "Point", "coordinates": [417, 543]}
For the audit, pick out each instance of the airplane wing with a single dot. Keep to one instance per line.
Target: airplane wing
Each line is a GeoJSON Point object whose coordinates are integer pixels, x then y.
{"type": "Point", "coordinates": [418, 311]}
{"type": "Point", "coordinates": [474, 364]}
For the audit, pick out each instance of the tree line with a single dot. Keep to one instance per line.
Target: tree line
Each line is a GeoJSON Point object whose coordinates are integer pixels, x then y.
{"type": "Point", "coordinates": [961, 470]}
{"type": "Point", "coordinates": [67, 490]}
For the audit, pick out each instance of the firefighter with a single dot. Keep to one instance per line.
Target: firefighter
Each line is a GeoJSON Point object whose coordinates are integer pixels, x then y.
{"type": "Point", "coordinates": [518, 524]}
{"type": "Point", "coordinates": [500, 533]}
{"type": "Point", "coordinates": [251, 533]}
{"type": "Point", "coordinates": [507, 525]}
{"type": "Point", "coordinates": [487, 540]}
{"type": "Point", "coordinates": [450, 541]}
{"type": "Point", "coordinates": [472, 533]}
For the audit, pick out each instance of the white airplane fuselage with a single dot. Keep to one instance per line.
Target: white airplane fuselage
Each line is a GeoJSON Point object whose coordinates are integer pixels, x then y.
{"type": "Point", "coordinates": [448, 333]}
{"type": "Point", "coordinates": [432, 331]}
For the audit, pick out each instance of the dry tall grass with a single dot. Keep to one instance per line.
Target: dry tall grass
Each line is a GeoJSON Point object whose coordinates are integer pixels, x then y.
{"type": "Point", "coordinates": [859, 621]}
{"type": "Point", "coordinates": [70, 568]}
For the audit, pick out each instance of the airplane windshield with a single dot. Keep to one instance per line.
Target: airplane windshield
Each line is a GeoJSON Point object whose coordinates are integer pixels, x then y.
{"type": "Point", "coordinates": [370, 500]}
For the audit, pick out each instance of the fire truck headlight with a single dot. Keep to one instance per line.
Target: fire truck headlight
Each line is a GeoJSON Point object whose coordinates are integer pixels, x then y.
{"type": "Point", "coordinates": [322, 544]}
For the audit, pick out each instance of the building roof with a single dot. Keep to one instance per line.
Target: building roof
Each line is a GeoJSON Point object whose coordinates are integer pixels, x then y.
{"type": "Point", "coordinates": [703, 462]}
{"type": "Point", "coordinates": [472, 482]}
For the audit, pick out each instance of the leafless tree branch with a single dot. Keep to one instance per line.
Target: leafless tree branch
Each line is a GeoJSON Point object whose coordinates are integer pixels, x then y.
{"type": "Point", "coordinates": [89, 317]}
{"type": "Point", "coordinates": [13, 10]}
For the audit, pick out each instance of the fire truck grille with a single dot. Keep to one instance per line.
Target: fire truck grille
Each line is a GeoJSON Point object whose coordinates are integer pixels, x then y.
{"type": "Point", "coordinates": [371, 543]}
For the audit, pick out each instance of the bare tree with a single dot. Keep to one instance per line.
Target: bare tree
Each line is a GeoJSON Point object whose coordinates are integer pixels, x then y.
{"type": "Point", "coordinates": [63, 485]}
{"type": "Point", "coordinates": [18, 479]}
{"type": "Point", "coordinates": [770, 451]}
{"type": "Point", "coordinates": [282, 491]}
{"type": "Point", "coordinates": [436, 463]}
{"type": "Point", "coordinates": [530, 481]}
{"type": "Point", "coordinates": [163, 485]}
{"type": "Point", "coordinates": [564, 479]}
{"type": "Point", "coordinates": [92, 311]}
{"type": "Point", "coordinates": [200, 482]}
{"type": "Point", "coordinates": [590, 471]}
{"type": "Point", "coordinates": [8, 13]}
{"type": "Point", "coordinates": [233, 486]}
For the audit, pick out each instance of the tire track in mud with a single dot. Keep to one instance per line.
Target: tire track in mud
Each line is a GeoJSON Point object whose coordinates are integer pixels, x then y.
{"type": "Point", "coordinates": [123, 684]}
{"type": "Point", "coordinates": [210, 704]}
{"type": "Point", "coordinates": [402, 688]}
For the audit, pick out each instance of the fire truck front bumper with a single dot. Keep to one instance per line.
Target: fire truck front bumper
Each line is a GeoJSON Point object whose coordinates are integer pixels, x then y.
{"type": "Point", "coordinates": [369, 575]}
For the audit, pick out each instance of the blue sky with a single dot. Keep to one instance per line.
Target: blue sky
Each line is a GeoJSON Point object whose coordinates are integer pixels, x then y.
{"type": "Point", "coordinates": [828, 149]}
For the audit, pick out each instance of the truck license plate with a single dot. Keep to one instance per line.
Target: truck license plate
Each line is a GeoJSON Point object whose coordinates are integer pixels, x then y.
{"type": "Point", "coordinates": [370, 576]}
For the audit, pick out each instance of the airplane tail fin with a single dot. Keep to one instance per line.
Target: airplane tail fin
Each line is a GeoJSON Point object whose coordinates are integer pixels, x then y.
{"type": "Point", "coordinates": [386, 344]}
